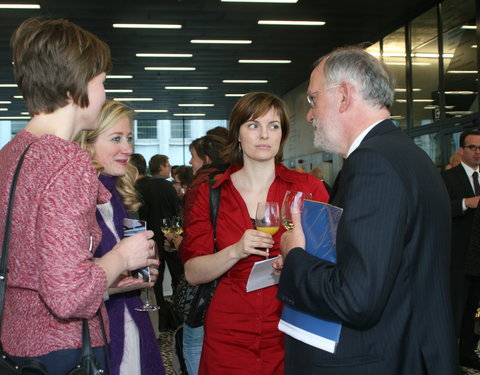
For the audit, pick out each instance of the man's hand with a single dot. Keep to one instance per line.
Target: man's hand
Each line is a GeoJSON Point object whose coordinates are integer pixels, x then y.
{"type": "Point", "coordinates": [293, 238]}
{"type": "Point", "coordinates": [472, 202]}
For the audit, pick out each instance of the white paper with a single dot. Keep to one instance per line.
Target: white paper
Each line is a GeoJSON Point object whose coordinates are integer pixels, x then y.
{"type": "Point", "coordinates": [307, 337]}
{"type": "Point", "coordinates": [262, 275]}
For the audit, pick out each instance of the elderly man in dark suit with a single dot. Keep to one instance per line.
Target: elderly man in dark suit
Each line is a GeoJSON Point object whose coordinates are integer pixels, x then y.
{"type": "Point", "coordinates": [390, 286]}
{"type": "Point", "coordinates": [463, 187]}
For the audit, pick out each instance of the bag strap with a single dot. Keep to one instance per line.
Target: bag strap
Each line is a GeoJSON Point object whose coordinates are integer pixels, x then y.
{"type": "Point", "coordinates": [86, 344]}
{"type": "Point", "coordinates": [6, 236]}
{"type": "Point", "coordinates": [214, 205]}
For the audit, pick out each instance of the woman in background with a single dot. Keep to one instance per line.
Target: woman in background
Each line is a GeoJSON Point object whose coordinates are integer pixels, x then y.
{"type": "Point", "coordinates": [53, 283]}
{"type": "Point", "coordinates": [241, 335]}
{"type": "Point", "coordinates": [133, 346]}
{"type": "Point", "coordinates": [207, 163]}
{"type": "Point", "coordinates": [183, 178]}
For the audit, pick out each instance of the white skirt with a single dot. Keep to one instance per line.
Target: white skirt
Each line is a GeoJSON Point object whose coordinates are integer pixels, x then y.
{"type": "Point", "coordinates": [131, 352]}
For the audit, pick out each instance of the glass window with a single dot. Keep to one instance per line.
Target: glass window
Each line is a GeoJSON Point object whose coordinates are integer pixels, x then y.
{"type": "Point", "coordinates": [425, 68]}
{"type": "Point", "coordinates": [460, 58]}
{"type": "Point", "coordinates": [394, 58]}
{"type": "Point", "coordinates": [146, 129]}
{"type": "Point", "coordinates": [180, 129]}
{"type": "Point", "coordinates": [430, 143]}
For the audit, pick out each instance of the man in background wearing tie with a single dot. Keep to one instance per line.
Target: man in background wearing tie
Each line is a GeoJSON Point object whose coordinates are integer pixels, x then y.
{"type": "Point", "coordinates": [464, 191]}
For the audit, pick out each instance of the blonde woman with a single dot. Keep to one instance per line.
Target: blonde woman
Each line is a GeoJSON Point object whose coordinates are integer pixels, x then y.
{"type": "Point", "coordinates": [133, 346]}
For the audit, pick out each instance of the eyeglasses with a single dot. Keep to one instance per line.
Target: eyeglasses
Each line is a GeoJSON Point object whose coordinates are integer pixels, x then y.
{"type": "Point", "coordinates": [310, 98]}
{"type": "Point", "coordinates": [472, 147]}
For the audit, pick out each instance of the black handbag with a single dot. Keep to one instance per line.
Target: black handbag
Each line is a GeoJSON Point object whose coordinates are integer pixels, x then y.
{"type": "Point", "coordinates": [88, 363]}
{"type": "Point", "coordinates": [193, 301]}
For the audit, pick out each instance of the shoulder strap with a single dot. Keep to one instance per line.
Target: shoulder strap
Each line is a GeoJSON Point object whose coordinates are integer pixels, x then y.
{"type": "Point", "coordinates": [214, 204]}
{"type": "Point", "coordinates": [6, 236]}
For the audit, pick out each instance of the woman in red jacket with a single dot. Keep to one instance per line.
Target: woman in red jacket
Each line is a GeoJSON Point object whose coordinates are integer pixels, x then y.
{"type": "Point", "coordinates": [241, 335]}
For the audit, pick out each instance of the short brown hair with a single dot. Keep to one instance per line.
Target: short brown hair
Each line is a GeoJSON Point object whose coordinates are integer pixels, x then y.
{"type": "Point", "coordinates": [156, 161]}
{"type": "Point", "coordinates": [53, 60]}
{"type": "Point", "coordinates": [252, 106]}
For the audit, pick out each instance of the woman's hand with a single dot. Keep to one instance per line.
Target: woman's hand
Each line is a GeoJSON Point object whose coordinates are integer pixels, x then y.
{"type": "Point", "coordinates": [126, 283]}
{"type": "Point", "coordinates": [252, 243]}
{"type": "Point", "coordinates": [137, 250]}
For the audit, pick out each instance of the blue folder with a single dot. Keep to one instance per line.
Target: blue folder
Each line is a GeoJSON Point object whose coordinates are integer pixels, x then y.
{"type": "Point", "coordinates": [319, 223]}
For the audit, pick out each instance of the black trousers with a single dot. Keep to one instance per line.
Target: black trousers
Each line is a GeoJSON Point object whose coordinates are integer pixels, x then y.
{"type": "Point", "coordinates": [166, 317]}
{"type": "Point", "coordinates": [465, 298]}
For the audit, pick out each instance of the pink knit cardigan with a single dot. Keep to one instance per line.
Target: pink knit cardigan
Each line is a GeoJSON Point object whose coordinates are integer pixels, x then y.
{"type": "Point", "coordinates": [52, 281]}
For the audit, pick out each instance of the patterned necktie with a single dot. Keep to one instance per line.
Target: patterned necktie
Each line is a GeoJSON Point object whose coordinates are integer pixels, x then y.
{"type": "Point", "coordinates": [476, 186]}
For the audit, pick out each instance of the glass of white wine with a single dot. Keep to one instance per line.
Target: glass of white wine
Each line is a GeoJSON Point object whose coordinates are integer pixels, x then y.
{"type": "Point", "coordinates": [293, 200]}
{"type": "Point", "coordinates": [166, 225]}
{"type": "Point", "coordinates": [177, 225]}
{"type": "Point", "coordinates": [267, 218]}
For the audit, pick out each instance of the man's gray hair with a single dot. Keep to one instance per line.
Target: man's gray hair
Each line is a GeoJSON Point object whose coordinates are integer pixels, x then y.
{"type": "Point", "coordinates": [355, 65]}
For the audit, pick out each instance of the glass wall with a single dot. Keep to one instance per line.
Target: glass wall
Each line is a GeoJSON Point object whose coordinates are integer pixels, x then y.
{"type": "Point", "coordinates": [430, 143]}
{"type": "Point", "coordinates": [460, 58]}
{"type": "Point", "coordinates": [394, 56]}
{"type": "Point", "coordinates": [434, 60]}
{"type": "Point", "coordinates": [425, 57]}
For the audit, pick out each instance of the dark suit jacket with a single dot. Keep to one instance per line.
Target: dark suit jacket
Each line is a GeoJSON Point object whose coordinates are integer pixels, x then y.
{"type": "Point", "coordinates": [459, 187]}
{"type": "Point", "coordinates": [160, 200]}
{"type": "Point", "coordinates": [390, 286]}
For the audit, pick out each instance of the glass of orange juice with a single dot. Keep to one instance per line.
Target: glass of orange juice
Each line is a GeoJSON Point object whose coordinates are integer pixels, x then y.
{"type": "Point", "coordinates": [267, 218]}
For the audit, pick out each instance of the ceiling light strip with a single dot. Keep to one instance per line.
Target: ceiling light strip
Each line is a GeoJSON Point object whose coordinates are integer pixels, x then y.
{"type": "Point", "coordinates": [462, 71]}
{"type": "Point", "coordinates": [133, 99]}
{"type": "Point", "coordinates": [186, 88]}
{"type": "Point", "coordinates": [145, 26]}
{"type": "Point", "coordinates": [245, 81]}
{"type": "Point", "coordinates": [264, 61]}
{"type": "Point", "coordinates": [291, 23]}
{"type": "Point", "coordinates": [8, 85]}
{"type": "Point", "coordinates": [163, 55]}
{"type": "Point", "coordinates": [15, 117]}
{"type": "Point", "coordinates": [196, 105]}
{"type": "Point", "coordinates": [220, 41]}
{"type": "Point", "coordinates": [119, 76]}
{"type": "Point", "coordinates": [174, 68]}
{"type": "Point", "coordinates": [151, 110]}
{"type": "Point", "coordinates": [189, 114]}
{"type": "Point", "coordinates": [118, 90]}
{"type": "Point", "coordinates": [19, 6]}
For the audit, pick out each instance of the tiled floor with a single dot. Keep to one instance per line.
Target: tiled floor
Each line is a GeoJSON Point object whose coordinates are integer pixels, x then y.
{"type": "Point", "coordinates": [166, 347]}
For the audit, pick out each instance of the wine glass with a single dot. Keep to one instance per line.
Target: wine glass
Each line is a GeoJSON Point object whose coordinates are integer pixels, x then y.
{"type": "Point", "coordinates": [147, 306]}
{"type": "Point", "coordinates": [267, 218]}
{"type": "Point", "coordinates": [166, 225]}
{"type": "Point", "coordinates": [177, 225]}
{"type": "Point", "coordinates": [293, 200]}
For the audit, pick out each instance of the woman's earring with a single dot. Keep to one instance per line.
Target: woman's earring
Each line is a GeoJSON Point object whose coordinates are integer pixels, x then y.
{"type": "Point", "coordinates": [239, 147]}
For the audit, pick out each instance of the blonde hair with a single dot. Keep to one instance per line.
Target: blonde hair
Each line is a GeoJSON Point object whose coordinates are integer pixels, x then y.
{"type": "Point", "coordinates": [111, 113]}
